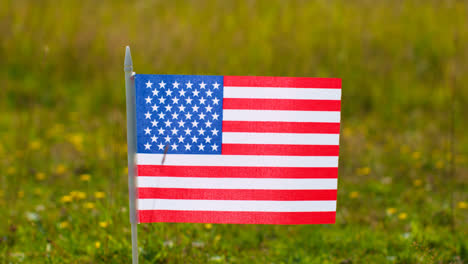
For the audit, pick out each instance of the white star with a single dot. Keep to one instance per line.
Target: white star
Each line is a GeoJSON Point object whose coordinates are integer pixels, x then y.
{"type": "Point", "coordinates": [208, 108]}
{"type": "Point", "coordinates": [195, 108]}
{"type": "Point", "coordinates": [188, 100]}
{"type": "Point", "coordinates": [148, 115]}
{"type": "Point", "coordinates": [160, 146]}
{"type": "Point", "coordinates": [188, 131]}
{"type": "Point", "coordinates": [181, 123]}
{"type": "Point", "coordinates": [175, 84]}
{"type": "Point", "coordinates": [175, 115]}
{"type": "Point", "coordinates": [188, 115]}
{"type": "Point", "coordinates": [161, 131]}
{"type": "Point", "coordinates": [154, 123]}
{"type": "Point", "coordinates": [208, 139]}
{"type": "Point", "coordinates": [168, 138]}
{"type": "Point", "coordinates": [202, 116]}
{"type": "Point", "coordinates": [148, 100]}
{"type": "Point", "coordinates": [155, 108]}
{"type": "Point", "coordinates": [214, 147]}
{"type": "Point", "coordinates": [209, 93]}
{"type": "Point", "coordinates": [216, 85]}
{"type": "Point", "coordinates": [161, 115]}
{"type": "Point", "coordinates": [187, 146]}
{"type": "Point", "coordinates": [202, 85]}
{"type": "Point", "coordinates": [162, 84]}
{"type": "Point", "coordinates": [174, 131]}
{"type": "Point", "coordinates": [215, 101]}
{"type": "Point", "coordinates": [194, 139]}
{"type": "Point", "coordinates": [168, 92]}
{"type": "Point", "coordinates": [162, 100]}
{"type": "Point", "coordinates": [189, 85]}
{"type": "Point", "coordinates": [181, 139]}
{"type": "Point", "coordinates": [175, 100]}
{"type": "Point", "coordinates": [208, 123]}
{"type": "Point", "coordinates": [182, 108]}
{"type": "Point", "coordinates": [202, 100]}
{"type": "Point", "coordinates": [215, 116]}
{"type": "Point", "coordinates": [154, 138]}
{"type": "Point", "coordinates": [147, 131]}
{"type": "Point", "coordinates": [215, 132]}
{"type": "Point", "coordinates": [201, 147]}
{"type": "Point", "coordinates": [149, 84]}
{"type": "Point", "coordinates": [174, 146]}
{"type": "Point", "coordinates": [182, 92]}
{"type": "Point", "coordinates": [195, 123]}
{"type": "Point", "coordinates": [147, 145]}
{"type": "Point", "coordinates": [168, 108]}
{"type": "Point", "coordinates": [168, 123]}
{"type": "Point", "coordinates": [195, 93]}
{"type": "Point", "coordinates": [155, 92]}
{"type": "Point", "coordinates": [201, 131]}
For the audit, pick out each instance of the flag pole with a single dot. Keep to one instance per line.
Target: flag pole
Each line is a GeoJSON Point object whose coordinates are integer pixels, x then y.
{"type": "Point", "coordinates": [131, 149]}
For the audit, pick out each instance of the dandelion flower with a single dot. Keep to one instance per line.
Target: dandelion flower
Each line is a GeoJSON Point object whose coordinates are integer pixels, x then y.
{"type": "Point", "coordinates": [89, 205]}
{"type": "Point", "coordinates": [402, 216]}
{"type": "Point", "coordinates": [66, 199]}
{"type": "Point", "coordinates": [439, 164]}
{"type": "Point", "coordinates": [97, 244]}
{"type": "Point", "coordinates": [353, 195]}
{"type": "Point", "coordinates": [60, 169]}
{"type": "Point", "coordinates": [99, 195]}
{"type": "Point", "coordinates": [64, 224]}
{"type": "Point", "coordinates": [391, 211]}
{"type": "Point", "coordinates": [85, 177]}
{"type": "Point", "coordinates": [78, 195]}
{"type": "Point", "coordinates": [363, 171]}
{"type": "Point", "coordinates": [417, 182]}
{"type": "Point", "coordinates": [103, 224]}
{"type": "Point", "coordinates": [35, 145]}
{"type": "Point", "coordinates": [462, 205]}
{"type": "Point", "coordinates": [416, 155]}
{"type": "Point", "coordinates": [208, 226]}
{"type": "Point", "coordinates": [40, 176]}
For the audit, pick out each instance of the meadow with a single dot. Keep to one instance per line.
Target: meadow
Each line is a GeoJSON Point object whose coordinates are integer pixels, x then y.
{"type": "Point", "coordinates": [403, 175]}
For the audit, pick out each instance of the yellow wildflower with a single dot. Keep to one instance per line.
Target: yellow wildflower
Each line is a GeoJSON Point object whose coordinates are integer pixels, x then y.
{"type": "Point", "coordinates": [217, 238]}
{"type": "Point", "coordinates": [60, 169]}
{"type": "Point", "coordinates": [11, 170]}
{"type": "Point", "coordinates": [353, 194]}
{"type": "Point", "coordinates": [125, 170]}
{"type": "Point", "coordinates": [78, 195]}
{"type": "Point", "coordinates": [462, 205]}
{"type": "Point", "coordinates": [417, 182]}
{"type": "Point", "coordinates": [363, 171]}
{"type": "Point", "coordinates": [40, 176]}
{"type": "Point", "coordinates": [76, 140]}
{"type": "Point", "coordinates": [64, 224]}
{"type": "Point", "coordinates": [37, 191]}
{"type": "Point", "coordinates": [66, 199]}
{"type": "Point", "coordinates": [391, 211]}
{"type": "Point", "coordinates": [439, 164]}
{"type": "Point", "coordinates": [99, 195]}
{"type": "Point", "coordinates": [97, 244]}
{"type": "Point", "coordinates": [208, 226]}
{"type": "Point", "coordinates": [402, 216]}
{"type": "Point", "coordinates": [20, 194]}
{"type": "Point", "coordinates": [347, 132]}
{"type": "Point", "coordinates": [89, 205]}
{"type": "Point", "coordinates": [416, 155]}
{"type": "Point", "coordinates": [85, 177]}
{"type": "Point", "coordinates": [35, 145]}
{"type": "Point", "coordinates": [103, 224]}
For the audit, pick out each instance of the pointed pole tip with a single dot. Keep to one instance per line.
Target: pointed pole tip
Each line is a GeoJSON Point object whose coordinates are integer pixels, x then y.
{"type": "Point", "coordinates": [128, 59]}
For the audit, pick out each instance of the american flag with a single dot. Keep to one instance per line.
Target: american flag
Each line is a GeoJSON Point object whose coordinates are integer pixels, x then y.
{"type": "Point", "coordinates": [236, 149]}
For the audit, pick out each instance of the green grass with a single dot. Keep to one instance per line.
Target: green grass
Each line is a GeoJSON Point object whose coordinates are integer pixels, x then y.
{"type": "Point", "coordinates": [62, 114]}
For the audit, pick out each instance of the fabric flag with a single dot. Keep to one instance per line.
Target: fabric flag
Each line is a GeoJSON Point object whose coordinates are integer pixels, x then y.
{"type": "Point", "coordinates": [235, 149]}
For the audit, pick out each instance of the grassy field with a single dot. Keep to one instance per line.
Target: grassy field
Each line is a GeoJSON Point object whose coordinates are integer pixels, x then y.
{"type": "Point", "coordinates": [403, 176]}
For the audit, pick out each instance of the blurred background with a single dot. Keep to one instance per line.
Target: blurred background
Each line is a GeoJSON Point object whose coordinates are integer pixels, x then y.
{"type": "Point", "coordinates": [404, 151]}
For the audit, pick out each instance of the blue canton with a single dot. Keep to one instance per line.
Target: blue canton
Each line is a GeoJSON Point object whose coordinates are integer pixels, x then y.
{"type": "Point", "coordinates": [181, 112]}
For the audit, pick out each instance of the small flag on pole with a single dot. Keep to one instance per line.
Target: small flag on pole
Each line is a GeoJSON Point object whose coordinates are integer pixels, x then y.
{"type": "Point", "coordinates": [235, 149]}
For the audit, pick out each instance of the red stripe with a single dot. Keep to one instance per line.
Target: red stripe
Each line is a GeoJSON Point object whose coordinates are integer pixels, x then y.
{"type": "Point", "coordinates": [234, 194]}
{"type": "Point", "coordinates": [221, 217]}
{"type": "Point", "coordinates": [282, 104]}
{"type": "Point", "coordinates": [236, 172]}
{"type": "Point", "coordinates": [280, 150]}
{"type": "Point", "coordinates": [281, 127]}
{"type": "Point", "coordinates": [297, 82]}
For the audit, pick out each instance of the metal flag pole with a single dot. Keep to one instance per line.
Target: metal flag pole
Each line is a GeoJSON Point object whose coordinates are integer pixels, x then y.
{"type": "Point", "coordinates": [131, 149]}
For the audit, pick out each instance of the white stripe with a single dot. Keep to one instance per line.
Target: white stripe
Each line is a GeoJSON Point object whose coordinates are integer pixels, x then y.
{"type": "Point", "coordinates": [281, 116]}
{"type": "Point", "coordinates": [282, 93]}
{"type": "Point", "coordinates": [280, 138]}
{"type": "Point", "coordinates": [236, 183]}
{"type": "Point", "coordinates": [240, 206]}
{"type": "Point", "coordinates": [238, 160]}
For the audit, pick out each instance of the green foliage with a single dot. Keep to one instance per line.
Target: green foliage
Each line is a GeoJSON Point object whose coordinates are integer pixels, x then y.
{"type": "Point", "coordinates": [63, 185]}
